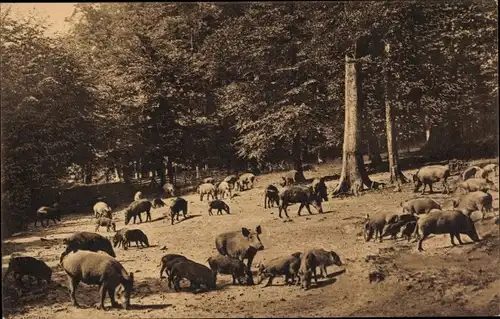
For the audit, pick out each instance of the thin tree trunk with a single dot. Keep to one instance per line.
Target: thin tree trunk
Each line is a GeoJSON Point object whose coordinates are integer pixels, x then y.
{"type": "Point", "coordinates": [297, 159]}
{"type": "Point", "coordinates": [353, 174]}
{"type": "Point", "coordinates": [374, 150]}
{"type": "Point", "coordinates": [127, 171]}
{"type": "Point", "coordinates": [392, 150]}
{"type": "Point", "coordinates": [88, 173]}
{"type": "Point", "coordinates": [170, 171]}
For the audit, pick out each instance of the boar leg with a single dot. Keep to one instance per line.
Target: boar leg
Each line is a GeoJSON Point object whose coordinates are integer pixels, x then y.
{"type": "Point", "coordinates": [300, 208]}
{"type": "Point", "coordinates": [270, 281]}
{"type": "Point", "coordinates": [457, 235]}
{"type": "Point", "coordinates": [97, 228]}
{"type": "Point", "coordinates": [162, 270]}
{"type": "Point", "coordinates": [445, 186]}
{"type": "Point", "coordinates": [209, 212]}
{"type": "Point", "coordinates": [265, 201]}
{"type": "Point", "coordinates": [249, 266]}
{"type": "Point", "coordinates": [424, 236]}
{"type": "Point", "coordinates": [452, 235]}
{"type": "Point", "coordinates": [430, 189]}
{"type": "Point", "coordinates": [73, 284]}
{"type": "Point", "coordinates": [103, 292]}
{"type": "Point", "coordinates": [111, 293]}
{"type": "Point", "coordinates": [423, 190]}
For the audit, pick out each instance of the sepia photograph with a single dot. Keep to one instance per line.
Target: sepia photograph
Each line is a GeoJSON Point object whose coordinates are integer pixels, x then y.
{"type": "Point", "coordinates": [250, 159]}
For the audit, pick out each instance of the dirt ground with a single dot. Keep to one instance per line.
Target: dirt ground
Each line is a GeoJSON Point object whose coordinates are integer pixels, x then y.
{"type": "Point", "coordinates": [441, 281]}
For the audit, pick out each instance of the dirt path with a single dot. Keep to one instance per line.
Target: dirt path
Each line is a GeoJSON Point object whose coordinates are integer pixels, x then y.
{"type": "Point", "coordinates": [442, 280]}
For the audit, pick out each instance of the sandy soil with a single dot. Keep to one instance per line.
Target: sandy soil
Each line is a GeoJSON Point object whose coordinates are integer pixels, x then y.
{"type": "Point", "coordinates": [441, 281]}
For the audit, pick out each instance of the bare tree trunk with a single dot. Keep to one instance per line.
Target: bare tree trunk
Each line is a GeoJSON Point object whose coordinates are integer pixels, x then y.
{"type": "Point", "coordinates": [88, 173]}
{"type": "Point", "coordinates": [353, 174]}
{"type": "Point", "coordinates": [374, 150]}
{"type": "Point", "coordinates": [127, 171]}
{"type": "Point", "coordinates": [170, 171]}
{"type": "Point", "coordinates": [297, 159]}
{"type": "Point", "coordinates": [392, 150]}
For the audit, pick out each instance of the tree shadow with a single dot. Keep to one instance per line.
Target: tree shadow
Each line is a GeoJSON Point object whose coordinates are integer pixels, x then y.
{"type": "Point", "coordinates": [323, 283]}
{"type": "Point", "coordinates": [150, 306]}
{"type": "Point", "coordinates": [20, 247]}
{"type": "Point", "coordinates": [330, 178]}
{"type": "Point", "coordinates": [337, 273]}
{"type": "Point", "coordinates": [187, 218]}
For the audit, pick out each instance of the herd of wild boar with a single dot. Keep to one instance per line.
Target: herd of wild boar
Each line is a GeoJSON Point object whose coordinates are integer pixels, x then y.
{"type": "Point", "coordinates": [418, 218]}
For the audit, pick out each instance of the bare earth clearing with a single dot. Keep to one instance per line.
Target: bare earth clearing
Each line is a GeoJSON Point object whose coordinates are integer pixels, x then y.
{"type": "Point", "coordinates": [441, 281]}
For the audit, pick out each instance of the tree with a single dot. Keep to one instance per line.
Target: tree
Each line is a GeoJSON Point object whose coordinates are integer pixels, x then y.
{"type": "Point", "coordinates": [392, 152]}
{"type": "Point", "coordinates": [46, 104]}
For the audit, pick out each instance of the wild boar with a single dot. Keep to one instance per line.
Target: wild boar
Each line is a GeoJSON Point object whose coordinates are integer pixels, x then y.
{"type": "Point", "coordinates": [98, 269]}
{"type": "Point", "coordinates": [419, 205]}
{"type": "Point", "coordinates": [119, 238]}
{"type": "Point", "coordinates": [136, 208]}
{"type": "Point", "coordinates": [408, 230]}
{"type": "Point", "coordinates": [491, 168]}
{"type": "Point", "coordinates": [242, 245]}
{"type": "Point", "coordinates": [474, 201]}
{"type": "Point", "coordinates": [164, 261]}
{"type": "Point", "coordinates": [168, 270]}
{"type": "Point", "coordinates": [178, 205]}
{"type": "Point", "coordinates": [304, 195]}
{"type": "Point", "coordinates": [101, 209]}
{"type": "Point", "coordinates": [429, 175]}
{"type": "Point", "coordinates": [48, 213]}
{"type": "Point", "coordinates": [209, 180]}
{"type": "Point", "coordinates": [157, 202]}
{"type": "Point", "coordinates": [477, 184]}
{"type": "Point", "coordinates": [471, 172]}
{"type": "Point", "coordinates": [135, 235]}
{"type": "Point", "coordinates": [319, 188]}
{"type": "Point", "coordinates": [197, 274]}
{"type": "Point", "coordinates": [271, 196]}
{"type": "Point", "coordinates": [169, 190]}
{"type": "Point", "coordinates": [138, 196]}
{"type": "Point", "coordinates": [87, 241]}
{"type": "Point", "coordinates": [393, 229]}
{"type": "Point", "coordinates": [376, 224]}
{"type": "Point", "coordinates": [207, 189]}
{"type": "Point", "coordinates": [231, 180]}
{"type": "Point", "coordinates": [324, 259]}
{"type": "Point", "coordinates": [219, 205]}
{"type": "Point", "coordinates": [245, 181]}
{"type": "Point", "coordinates": [446, 222]}
{"type": "Point", "coordinates": [307, 270]}
{"type": "Point", "coordinates": [105, 222]}
{"type": "Point", "coordinates": [289, 178]}
{"type": "Point", "coordinates": [30, 267]}
{"type": "Point", "coordinates": [223, 188]}
{"type": "Point", "coordinates": [228, 266]}
{"type": "Point", "coordinates": [283, 266]}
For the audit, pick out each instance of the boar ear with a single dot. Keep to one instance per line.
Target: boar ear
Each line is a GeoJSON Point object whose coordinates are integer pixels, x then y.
{"type": "Point", "coordinates": [245, 232]}
{"type": "Point", "coordinates": [258, 230]}
{"type": "Point", "coordinates": [367, 217]}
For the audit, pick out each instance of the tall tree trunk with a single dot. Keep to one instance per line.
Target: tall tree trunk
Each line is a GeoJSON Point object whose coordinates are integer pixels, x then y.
{"type": "Point", "coordinates": [297, 159]}
{"type": "Point", "coordinates": [374, 150]}
{"type": "Point", "coordinates": [392, 149]}
{"type": "Point", "coordinates": [170, 171]}
{"type": "Point", "coordinates": [88, 173]}
{"type": "Point", "coordinates": [353, 174]}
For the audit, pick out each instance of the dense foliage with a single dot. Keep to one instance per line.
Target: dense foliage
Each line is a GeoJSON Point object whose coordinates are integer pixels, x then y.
{"type": "Point", "coordinates": [227, 83]}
